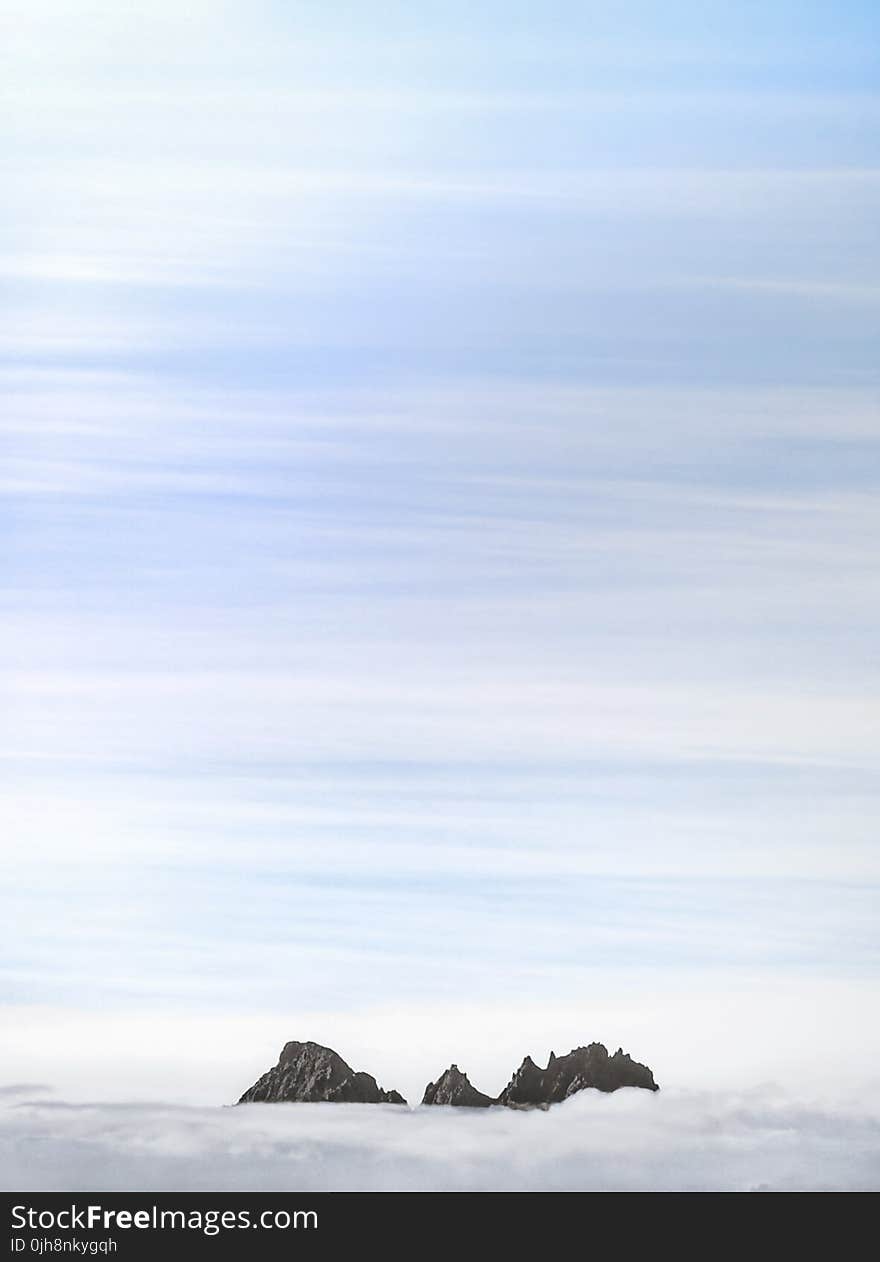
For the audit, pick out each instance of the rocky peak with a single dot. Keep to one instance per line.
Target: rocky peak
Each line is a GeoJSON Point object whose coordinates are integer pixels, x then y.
{"type": "Point", "coordinates": [454, 1087]}
{"type": "Point", "coordinates": [308, 1072]}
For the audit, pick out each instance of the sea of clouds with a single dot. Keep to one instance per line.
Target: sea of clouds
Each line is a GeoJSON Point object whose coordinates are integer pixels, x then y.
{"type": "Point", "coordinates": [756, 1139]}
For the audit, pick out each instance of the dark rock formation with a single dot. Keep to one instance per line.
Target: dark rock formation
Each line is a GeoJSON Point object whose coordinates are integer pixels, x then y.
{"type": "Point", "coordinates": [534, 1088]}
{"type": "Point", "coordinates": [310, 1072]}
{"type": "Point", "coordinates": [584, 1067]}
{"type": "Point", "coordinates": [454, 1087]}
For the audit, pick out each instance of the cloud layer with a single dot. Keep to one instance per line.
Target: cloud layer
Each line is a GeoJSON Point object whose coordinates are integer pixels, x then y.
{"type": "Point", "coordinates": [632, 1140]}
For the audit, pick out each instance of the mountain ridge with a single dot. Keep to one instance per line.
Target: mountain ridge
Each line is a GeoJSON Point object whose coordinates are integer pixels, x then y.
{"type": "Point", "coordinates": [311, 1073]}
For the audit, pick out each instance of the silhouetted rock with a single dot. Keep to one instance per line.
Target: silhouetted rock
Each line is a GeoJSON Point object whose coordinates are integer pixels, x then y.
{"type": "Point", "coordinates": [454, 1087]}
{"type": "Point", "coordinates": [589, 1066]}
{"type": "Point", "coordinates": [308, 1072]}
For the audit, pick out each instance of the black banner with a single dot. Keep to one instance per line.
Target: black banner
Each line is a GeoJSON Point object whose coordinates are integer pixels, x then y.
{"type": "Point", "coordinates": [169, 1225]}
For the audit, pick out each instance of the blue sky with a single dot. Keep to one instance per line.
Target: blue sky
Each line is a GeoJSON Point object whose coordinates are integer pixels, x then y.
{"type": "Point", "coordinates": [440, 517]}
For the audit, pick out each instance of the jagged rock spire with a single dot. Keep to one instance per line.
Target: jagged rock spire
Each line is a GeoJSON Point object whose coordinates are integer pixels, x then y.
{"type": "Point", "coordinates": [454, 1087]}
{"type": "Point", "coordinates": [589, 1066]}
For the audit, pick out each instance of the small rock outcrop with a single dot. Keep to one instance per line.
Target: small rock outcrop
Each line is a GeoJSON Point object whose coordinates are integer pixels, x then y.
{"type": "Point", "coordinates": [309, 1073]}
{"type": "Point", "coordinates": [589, 1066]}
{"type": "Point", "coordinates": [454, 1087]}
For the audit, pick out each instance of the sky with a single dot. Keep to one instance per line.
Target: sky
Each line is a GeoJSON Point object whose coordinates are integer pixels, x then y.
{"type": "Point", "coordinates": [439, 568]}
